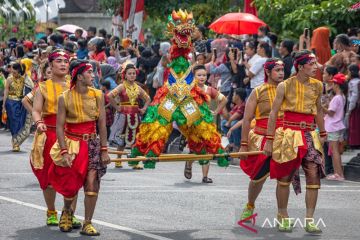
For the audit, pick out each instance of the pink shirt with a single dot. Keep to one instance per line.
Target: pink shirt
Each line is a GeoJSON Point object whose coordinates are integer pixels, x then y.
{"type": "Point", "coordinates": [336, 122]}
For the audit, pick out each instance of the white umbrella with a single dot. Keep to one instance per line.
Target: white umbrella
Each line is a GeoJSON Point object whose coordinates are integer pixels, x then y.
{"type": "Point", "coordinates": [70, 28]}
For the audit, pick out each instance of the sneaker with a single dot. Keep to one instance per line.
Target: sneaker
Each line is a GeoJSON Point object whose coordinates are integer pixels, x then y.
{"type": "Point", "coordinates": [76, 224]}
{"type": "Point", "coordinates": [247, 212]}
{"type": "Point", "coordinates": [52, 219]}
{"type": "Point", "coordinates": [311, 228]}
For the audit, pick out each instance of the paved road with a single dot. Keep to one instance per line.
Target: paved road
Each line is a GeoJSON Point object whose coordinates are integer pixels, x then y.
{"type": "Point", "coordinates": [161, 204]}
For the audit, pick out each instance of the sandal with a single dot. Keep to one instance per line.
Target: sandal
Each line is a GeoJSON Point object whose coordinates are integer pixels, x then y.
{"type": "Point", "coordinates": [188, 171]}
{"type": "Point", "coordinates": [52, 219]}
{"type": "Point", "coordinates": [65, 223]}
{"type": "Point", "coordinates": [89, 230]}
{"type": "Point", "coordinates": [207, 180]}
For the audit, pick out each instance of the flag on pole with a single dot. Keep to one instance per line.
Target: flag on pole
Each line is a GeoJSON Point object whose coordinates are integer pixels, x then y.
{"type": "Point", "coordinates": [133, 17]}
{"type": "Point", "coordinates": [249, 7]}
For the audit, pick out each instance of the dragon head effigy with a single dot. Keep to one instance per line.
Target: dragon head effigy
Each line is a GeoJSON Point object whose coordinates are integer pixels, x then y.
{"type": "Point", "coordinates": [181, 26]}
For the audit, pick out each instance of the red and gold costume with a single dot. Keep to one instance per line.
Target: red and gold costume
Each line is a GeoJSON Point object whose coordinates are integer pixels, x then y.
{"type": "Point", "coordinates": [257, 167]}
{"type": "Point", "coordinates": [83, 145]}
{"type": "Point", "coordinates": [297, 143]}
{"type": "Point", "coordinates": [127, 120]}
{"type": "Point", "coordinates": [40, 154]}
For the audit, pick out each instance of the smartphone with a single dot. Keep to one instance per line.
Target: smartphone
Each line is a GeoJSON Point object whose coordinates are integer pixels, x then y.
{"type": "Point", "coordinates": [135, 43]}
{"type": "Point", "coordinates": [215, 52]}
{"type": "Point", "coordinates": [235, 51]}
{"type": "Point", "coordinates": [306, 32]}
{"type": "Point", "coordinates": [116, 44]}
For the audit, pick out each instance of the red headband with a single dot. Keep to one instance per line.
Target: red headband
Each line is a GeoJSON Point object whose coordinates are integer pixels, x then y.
{"type": "Point", "coordinates": [75, 72]}
{"type": "Point", "coordinates": [307, 57]}
{"type": "Point", "coordinates": [270, 66]}
{"type": "Point", "coordinates": [55, 55]}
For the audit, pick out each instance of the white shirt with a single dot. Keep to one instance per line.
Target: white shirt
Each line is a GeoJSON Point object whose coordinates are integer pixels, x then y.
{"type": "Point", "coordinates": [257, 68]}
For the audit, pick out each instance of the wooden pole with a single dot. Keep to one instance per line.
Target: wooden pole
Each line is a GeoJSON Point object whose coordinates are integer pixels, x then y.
{"type": "Point", "coordinates": [185, 157]}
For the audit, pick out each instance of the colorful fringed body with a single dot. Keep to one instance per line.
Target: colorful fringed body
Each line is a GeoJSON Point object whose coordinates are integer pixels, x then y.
{"type": "Point", "coordinates": [179, 100]}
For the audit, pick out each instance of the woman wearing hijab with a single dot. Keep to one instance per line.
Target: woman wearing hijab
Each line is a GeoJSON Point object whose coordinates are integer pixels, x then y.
{"type": "Point", "coordinates": [108, 74]}
{"type": "Point", "coordinates": [320, 45]}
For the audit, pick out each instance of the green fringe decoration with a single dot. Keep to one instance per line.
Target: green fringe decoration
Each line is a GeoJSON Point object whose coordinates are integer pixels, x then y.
{"type": "Point", "coordinates": [179, 65]}
{"type": "Point", "coordinates": [150, 164]}
{"type": "Point", "coordinates": [134, 153]}
{"type": "Point", "coordinates": [222, 161]}
{"type": "Point", "coordinates": [152, 115]}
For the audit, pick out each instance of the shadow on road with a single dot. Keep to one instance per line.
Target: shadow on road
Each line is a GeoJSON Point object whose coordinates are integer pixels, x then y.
{"type": "Point", "coordinates": [183, 235]}
{"type": "Point", "coordinates": [273, 234]}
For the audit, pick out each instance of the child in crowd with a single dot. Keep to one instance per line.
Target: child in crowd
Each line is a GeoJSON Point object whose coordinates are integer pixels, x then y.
{"type": "Point", "coordinates": [334, 123]}
{"type": "Point", "coordinates": [328, 74]}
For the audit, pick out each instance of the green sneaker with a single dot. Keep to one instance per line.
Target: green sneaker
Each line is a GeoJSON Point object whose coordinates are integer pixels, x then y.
{"type": "Point", "coordinates": [247, 212]}
{"type": "Point", "coordinates": [285, 225]}
{"type": "Point", "coordinates": [311, 228]}
{"type": "Point", "coordinates": [76, 224]}
{"type": "Point", "coordinates": [52, 219]}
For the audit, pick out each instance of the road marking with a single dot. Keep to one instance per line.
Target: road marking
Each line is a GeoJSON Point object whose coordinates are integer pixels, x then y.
{"type": "Point", "coordinates": [106, 224]}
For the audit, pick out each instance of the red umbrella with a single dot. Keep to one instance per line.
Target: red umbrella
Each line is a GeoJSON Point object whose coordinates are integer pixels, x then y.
{"type": "Point", "coordinates": [237, 23]}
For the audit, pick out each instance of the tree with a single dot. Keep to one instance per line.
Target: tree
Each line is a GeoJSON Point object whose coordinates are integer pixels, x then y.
{"type": "Point", "coordinates": [288, 18]}
{"type": "Point", "coordinates": [205, 11]}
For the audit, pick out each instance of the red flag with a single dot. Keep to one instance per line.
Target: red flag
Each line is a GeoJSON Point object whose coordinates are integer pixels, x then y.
{"type": "Point", "coordinates": [133, 17]}
{"type": "Point", "coordinates": [249, 7]}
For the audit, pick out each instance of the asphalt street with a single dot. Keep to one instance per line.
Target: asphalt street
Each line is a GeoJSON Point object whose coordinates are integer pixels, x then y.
{"type": "Point", "coordinates": [161, 204]}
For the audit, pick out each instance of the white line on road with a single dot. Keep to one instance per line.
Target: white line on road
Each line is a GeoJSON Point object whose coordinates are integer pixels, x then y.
{"type": "Point", "coordinates": [106, 224]}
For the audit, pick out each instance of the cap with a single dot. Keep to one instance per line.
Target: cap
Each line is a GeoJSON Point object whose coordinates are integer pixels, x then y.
{"type": "Point", "coordinates": [28, 44]}
{"type": "Point", "coordinates": [338, 78]}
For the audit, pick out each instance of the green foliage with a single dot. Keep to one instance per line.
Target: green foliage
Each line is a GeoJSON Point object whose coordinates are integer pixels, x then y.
{"type": "Point", "coordinates": [205, 11]}
{"type": "Point", "coordinates": [110, 6]}
{"type": "Point", "coordinates": [288, 18]}
{"type": "Point", "coordinates": [25, 24]}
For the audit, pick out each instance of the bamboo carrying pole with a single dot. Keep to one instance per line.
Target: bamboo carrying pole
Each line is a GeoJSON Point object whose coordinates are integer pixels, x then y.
{"type": "Point", "coordinates": [185, 157]}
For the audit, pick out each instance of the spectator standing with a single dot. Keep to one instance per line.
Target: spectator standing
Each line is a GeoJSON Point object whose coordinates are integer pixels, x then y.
{"type": "Point", "coordinates": [273, 41]}
{"type": "Point", "coordinates": [91, 32]}
{"type": "Point", "coordinates": [334, 124]}
{"type": "Point", "coordinates": [255, 66]}
{"type": "Point", "coordinates": [320, 46]}
{"type": "Point", "coordinates": [328, 74]}
{"type": "Point", "coordinates": [78, 34]}
{"type": "Point", "coordinates": [342, 59]}
{"type": "Point", "coordinates": [353, 109]}
{"type": "Point", "coordinates": [285, 50]}
{"type": "Point", "coordinates": [263, 34]}
{"type": "Point", "coordinates": [225, 70]}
